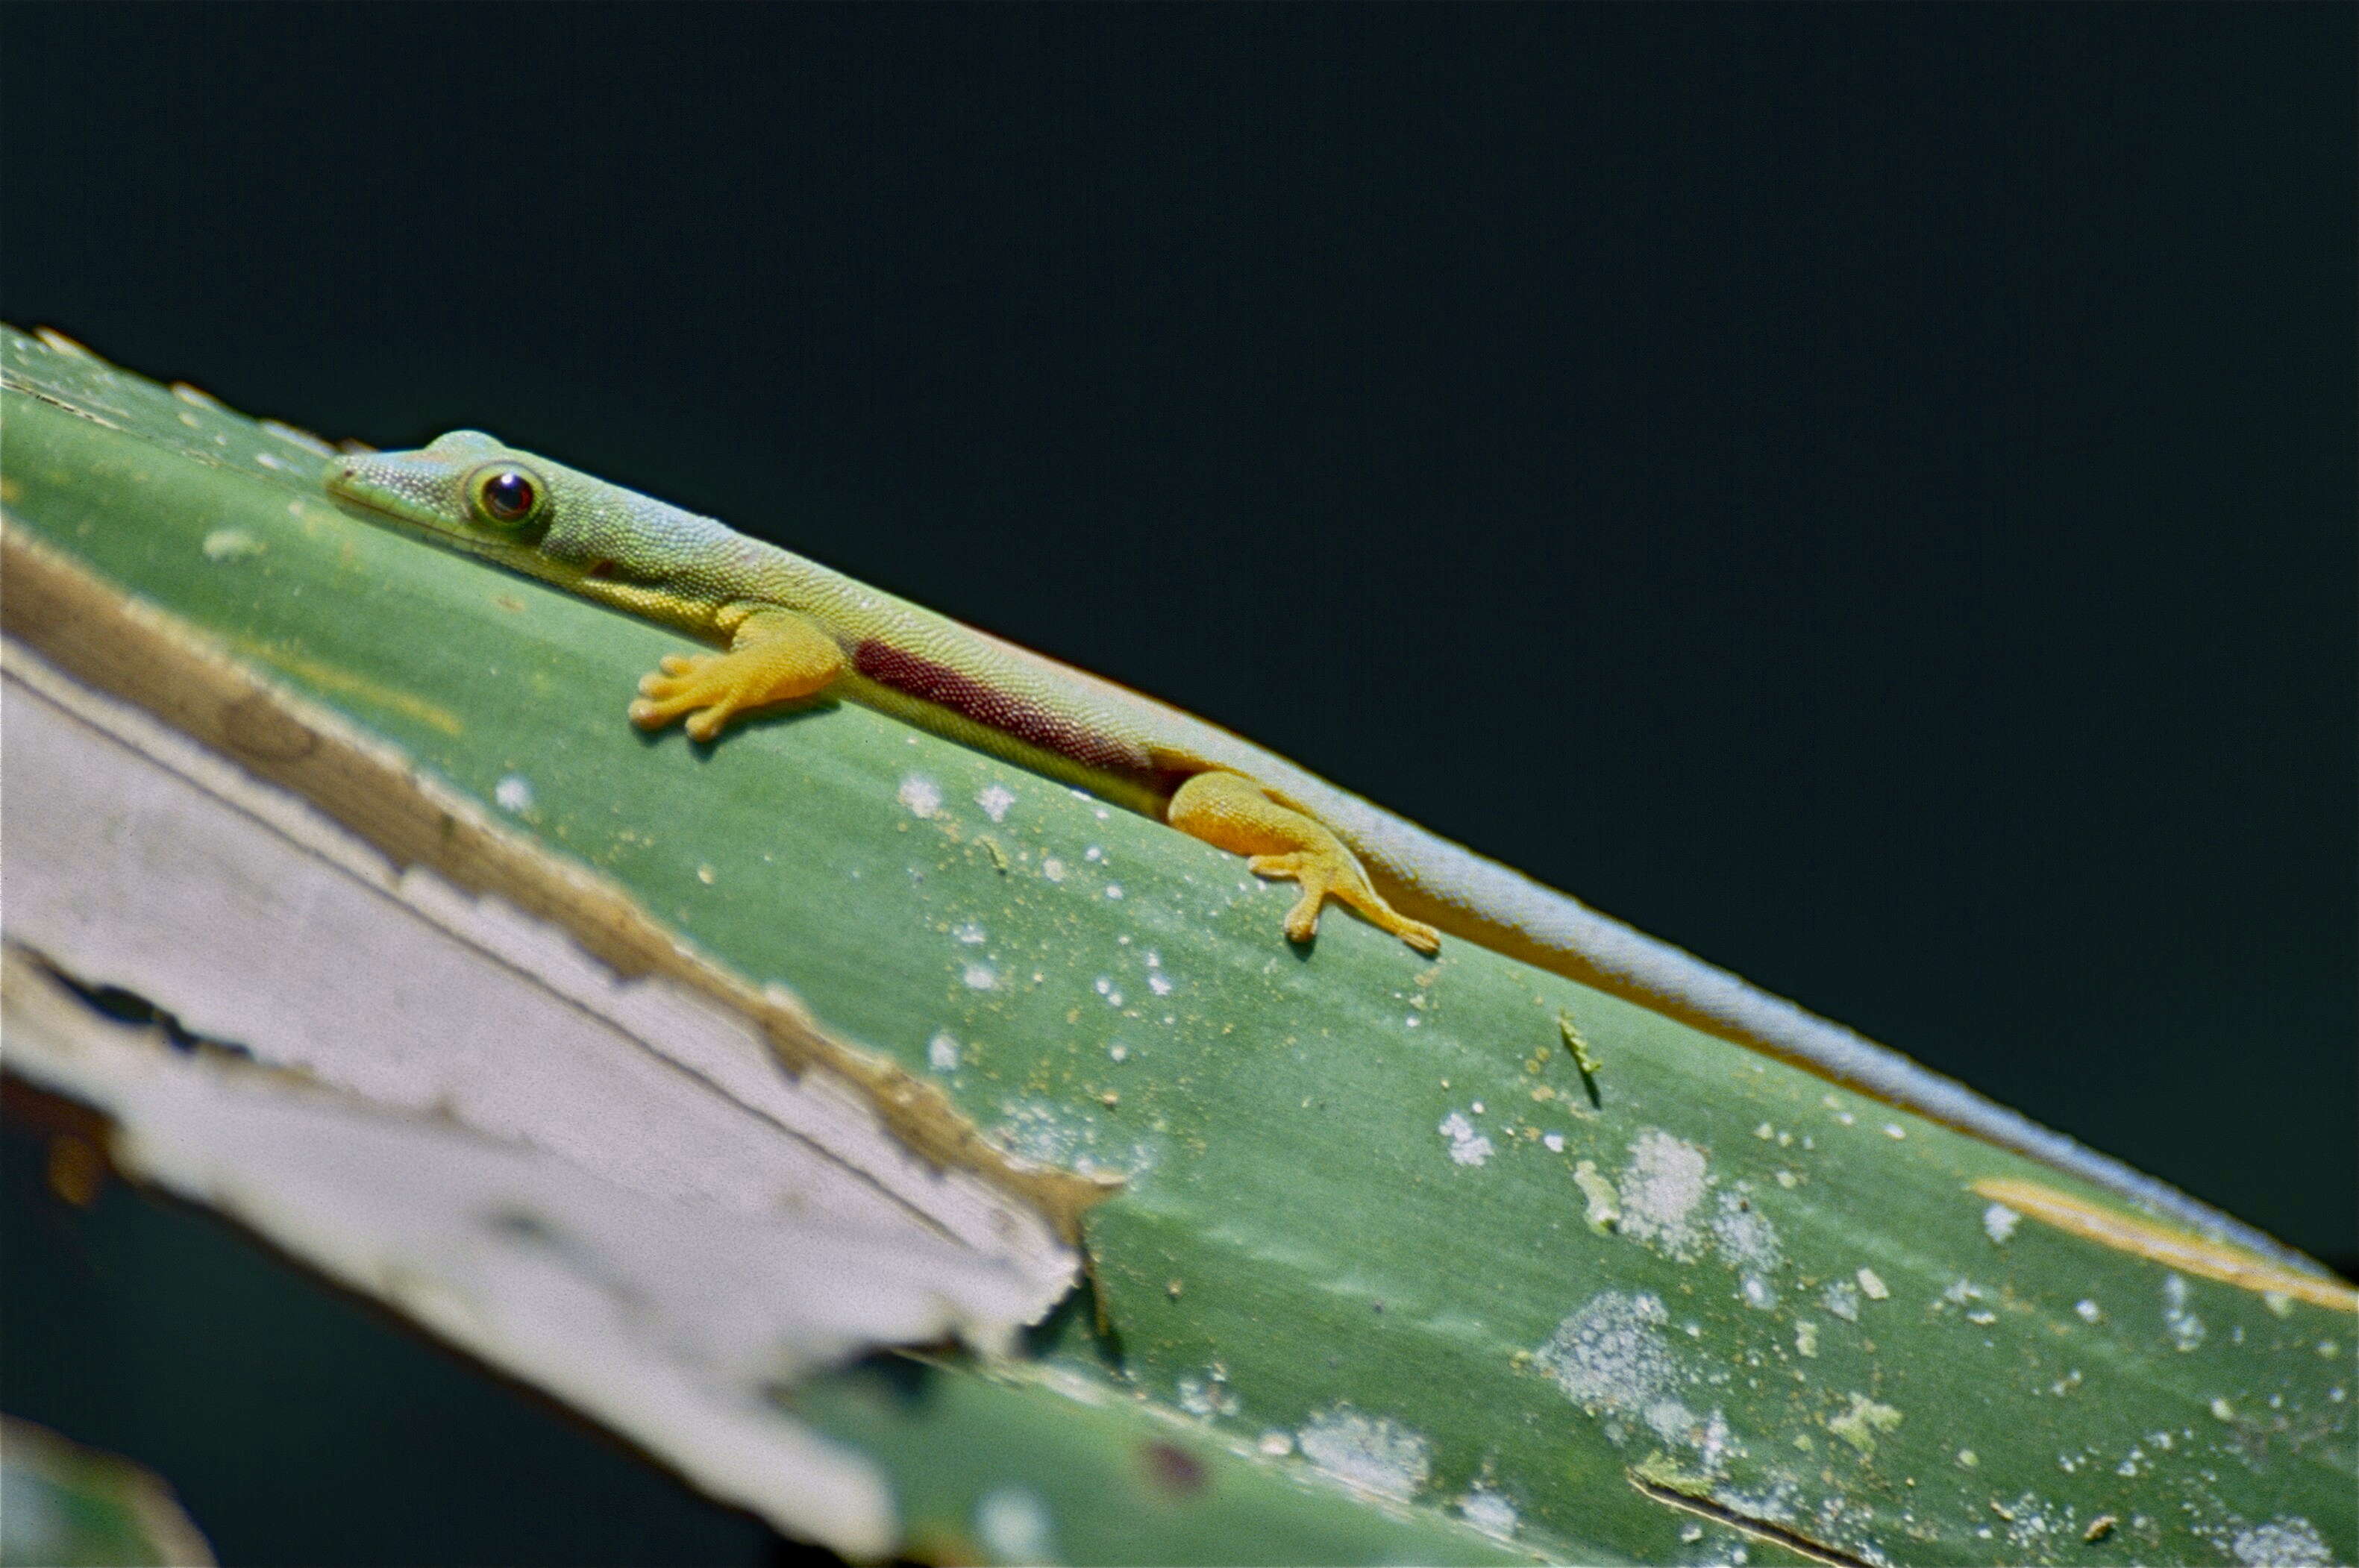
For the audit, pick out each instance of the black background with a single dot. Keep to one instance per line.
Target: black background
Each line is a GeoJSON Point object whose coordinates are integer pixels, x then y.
{"type": "Point", "coordinates": [1865, 494]}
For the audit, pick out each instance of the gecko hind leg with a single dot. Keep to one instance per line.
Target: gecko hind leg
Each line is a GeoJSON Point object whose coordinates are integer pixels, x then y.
{"type": "Point", "coordinates": [1231, 811]}
{"type": "Point", "coordinates": [774, 656]}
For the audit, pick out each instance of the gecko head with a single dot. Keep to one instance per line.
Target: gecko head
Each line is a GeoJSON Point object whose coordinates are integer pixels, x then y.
{"type": "Point", "coordinates": [466, 490]}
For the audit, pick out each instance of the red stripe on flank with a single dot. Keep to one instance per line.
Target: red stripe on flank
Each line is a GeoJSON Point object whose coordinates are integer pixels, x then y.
{"type": "Point", "coordinates": [1011, 715]}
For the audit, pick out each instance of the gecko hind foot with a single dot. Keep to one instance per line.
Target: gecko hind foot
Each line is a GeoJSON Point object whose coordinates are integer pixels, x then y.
{"type": "Point", "coordinates": [1233, 812]}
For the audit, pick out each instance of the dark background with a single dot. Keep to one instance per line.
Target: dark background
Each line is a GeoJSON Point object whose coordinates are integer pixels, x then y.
{"type": "Point", "coordinates": [1865, 494]}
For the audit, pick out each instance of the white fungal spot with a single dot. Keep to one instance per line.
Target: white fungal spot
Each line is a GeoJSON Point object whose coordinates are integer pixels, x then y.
{"type": "Point", "coordinates": [225, 545]}
{"type": "Point", "coordinates": [1114, 891]}
{"type": "Point", "coordinates": [512, 793]}
{"type": "Point", "coordinates": [2283, 1542]}
{"type": "Point", "coordinates": [1053, 869]}
{"type": "Point", "coordinates": [1999, 1223]}
{"type": "Point", "coordinates": [1371, 1452]}
{"type": "Point", "coordinates": [1610, 1358]}
{"type": "Point", "coordinates": [2186, 1329]}
{"type": "Point", "coordinates": [1806, 1336]}
{"type": "Point", "coordinates": [1554, 1143]}
{"type": "Point", "coordinates": [1014, 1525]}
{"type": "Point", "coordinates": [1209, 1395]}
{"type": "Point", "coordinates": [1749, 1243]}
{"type": "Point", "coordinates": [1467, 1147]}
{"type": "Point", "coordinates": [978, 976]}
{"type": "Point", "coordinates": [2087, 1310]}
{"type": "Point", "coordinates": [942, 1052]}
{"type": "Point", "coordinates": [1277, 1444]}
{"type": "Point", "coordinates": [1660, 1188]}
{"type": "Point", "coordinates": [1873, 1284]}
{"type": "Point", "coordinates": [1842, 1298]}
{"type": "Point", "coordinates": [995, 799]}
{"type": "Point", "coordinates": [1487, 1512]}
{"type": "Point", "coordinates": [969, 934]}
{"type": "Point", "coordinates": [920, 796]}
{"type": "Point", "coordinates": [1895, 1130]}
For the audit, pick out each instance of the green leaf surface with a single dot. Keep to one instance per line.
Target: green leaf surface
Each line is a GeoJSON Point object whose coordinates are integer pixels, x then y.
{"type": "Point", "coordinates": [1403, 1291]}
{"type": "Point", "coordinates": [64, 1506]}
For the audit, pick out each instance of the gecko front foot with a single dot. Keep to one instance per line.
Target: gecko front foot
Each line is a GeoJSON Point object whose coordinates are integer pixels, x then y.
{"type": "Point", "coordinates": [1233, 812]}
{"type": "Point", "coordinates": [775, 656]}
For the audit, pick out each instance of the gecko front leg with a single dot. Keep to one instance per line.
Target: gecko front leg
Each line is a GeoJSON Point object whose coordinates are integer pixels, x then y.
{"type": "Point", "coordinates": [774, 656]}
{"type": "Point", "coordinates": [1231, 811]}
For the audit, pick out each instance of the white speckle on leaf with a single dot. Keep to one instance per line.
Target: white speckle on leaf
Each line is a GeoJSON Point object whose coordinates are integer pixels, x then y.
{"type": "Point", "coordinates": [1842, 1298]}
{"type": "Point", "coordinates": [1114, 891]}
{"type": "Point", "coordinates": [2089, 1311]}
{"type": "Point", "coordinates": [1660, 1188]}
{"type": "Point", "coordinates": [1554, 1143]}
{"type": "Point", "coordinates": [920, 796]}
{"type": "Point", "coordinates": [1052, 1135]}
{"type": "Point", "coordinates": [995, 799]}
{"type": "Point", "coordinates": [1372, 1452]}
{"type": "Point", "coordinates": [1999, 1223]}
{"type": "Point", "coordinates": [1873, 1284]}
{"type": "Point", "coordinates": [1208, 1395]}
{"type": "Point", "coordinates": [1277, 1444]}
{"type": "Point", "coordinates": [1806, 1336]}
{"type": "Point", "coordinates": [1749, 1243]}
{"type": "Point", "coordinates": [1489, 1513]}
{"type": "Point", "coordinates": [1611, 1359]}
{"type": "Point", "coordinates": [1053, 869]}
{"type": "Point", "coordinates": [1467, 1147]}
{"type": "Point", "coordinates": [1014, 1525]}
{"type": "Point", "coordinates": [942, 1051]}
{"type": "Point", "coordinates": [512, 793]}
{"type": "Point", "coordinates": [225, 545]}
{"type": "Point", "coordinates": [969, 934]}
{"type": "Point", "coordinates": [2283, 1542]}
{"type": "Point", "coordinates": [2186, 1328]}
{"type": "Point", "coordinates": [978, 976]}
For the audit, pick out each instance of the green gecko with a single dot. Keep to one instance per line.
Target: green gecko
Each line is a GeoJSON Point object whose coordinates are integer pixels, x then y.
{"type": "Point", "coordinates": [792, 628]}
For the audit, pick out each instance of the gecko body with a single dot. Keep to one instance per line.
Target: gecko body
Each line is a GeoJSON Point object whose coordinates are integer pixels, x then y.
{"type": "Point", "coordinates": [793, 629]}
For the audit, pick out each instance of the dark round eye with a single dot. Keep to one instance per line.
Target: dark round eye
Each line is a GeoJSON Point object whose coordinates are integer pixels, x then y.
{"type": "Point", "coordinates": [508, 496]}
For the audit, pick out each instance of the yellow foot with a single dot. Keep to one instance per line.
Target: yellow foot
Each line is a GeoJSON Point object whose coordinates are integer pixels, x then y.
{"type": "Point", "coordinates": [1233, 812]}
{"type": "Point", "coordinates": [775, 656]}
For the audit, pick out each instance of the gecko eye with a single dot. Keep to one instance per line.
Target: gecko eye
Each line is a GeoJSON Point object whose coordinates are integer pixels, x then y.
{"type": "Point", "coordinates": [507, 495]}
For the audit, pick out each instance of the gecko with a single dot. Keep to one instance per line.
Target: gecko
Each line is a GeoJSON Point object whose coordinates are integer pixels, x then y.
{"type": "Point", "coordinates": [789, 628]}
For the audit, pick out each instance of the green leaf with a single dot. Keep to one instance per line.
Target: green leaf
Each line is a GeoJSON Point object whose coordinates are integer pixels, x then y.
{"type": "Point", "coordinates": [64, 1506]}
{"type": "Point", "coordinates": [1380, 1273]}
